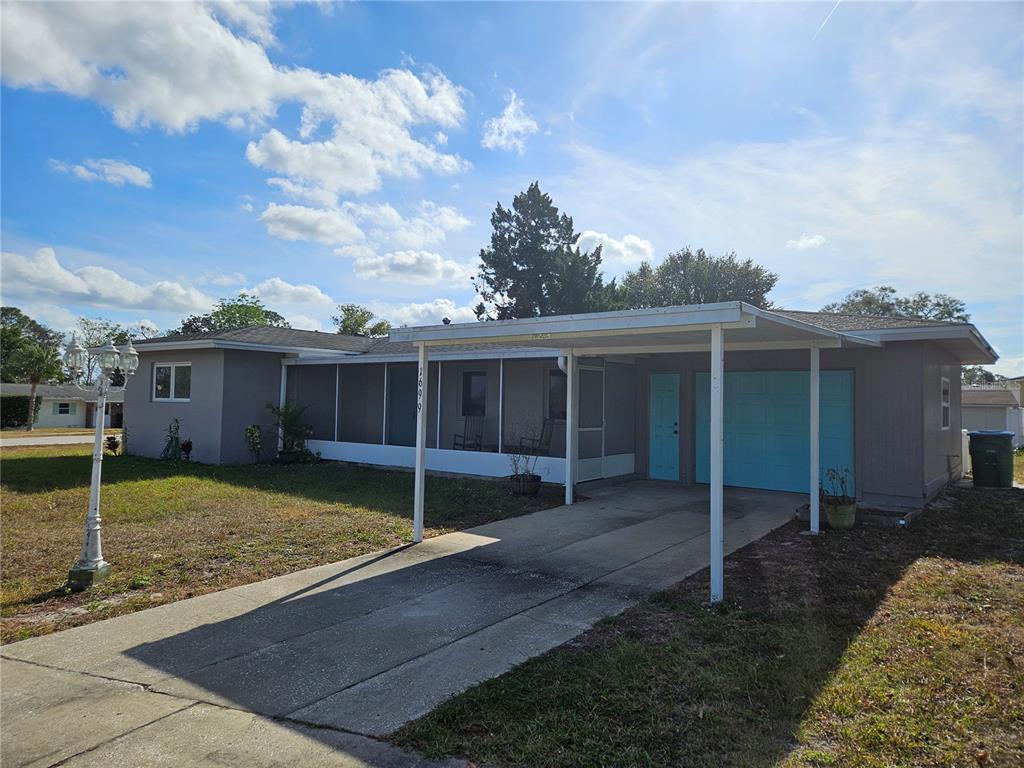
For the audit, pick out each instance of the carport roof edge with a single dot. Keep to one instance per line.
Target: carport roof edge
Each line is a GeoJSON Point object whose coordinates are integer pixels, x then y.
{"type": "Point", "coordinates": [562, 329]}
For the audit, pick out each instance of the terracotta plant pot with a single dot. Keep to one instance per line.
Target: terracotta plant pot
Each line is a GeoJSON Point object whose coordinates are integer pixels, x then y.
{"type": "Point", "coordinates": [525, 485]}
{"type": "Point", "coordinates": [841, 516]}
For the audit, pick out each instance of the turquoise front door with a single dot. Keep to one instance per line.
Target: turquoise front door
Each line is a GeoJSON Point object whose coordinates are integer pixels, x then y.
{"type": "Point", "coordinates": [664, 414]}
{"type": "Point", "coordinates": [767, 428]}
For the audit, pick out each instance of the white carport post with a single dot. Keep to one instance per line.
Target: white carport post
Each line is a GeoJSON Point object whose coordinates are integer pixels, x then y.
{"type": "Point", "coordinates": [570, 424]}
{"type": "Point", "coordinates": [422, 382]}
{"type": "Point", "coordinates": [716, 455]}
{"type": "Point", "coordinates": [815, 433]}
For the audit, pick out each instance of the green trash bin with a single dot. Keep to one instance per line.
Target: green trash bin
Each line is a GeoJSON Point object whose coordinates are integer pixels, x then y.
{"type": "Point", "coordinates": [992, 458]}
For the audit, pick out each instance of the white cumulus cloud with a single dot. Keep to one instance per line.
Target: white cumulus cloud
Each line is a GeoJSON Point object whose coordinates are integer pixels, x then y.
{"type": "Point", "coordinates": [114, 172]}
{"type": "Point", "coordinates": [806, 242]}
{"type": "Point", "coordinates": [508, 131]}
{"type": "Point", "coordinates": [277, 290]}
{"type": "Point", "coordinates": [421, 267]}
{"type": "Point", "coordinates": [630, 251]}
{"type": "Point", "coordinates": [425, 313]}
{"type": "Point", "coordinates": [323, 225]}
{"type": "Point", "coordinates": [428, 225]}
{"type": "Point", "coordinates": [41, 277]}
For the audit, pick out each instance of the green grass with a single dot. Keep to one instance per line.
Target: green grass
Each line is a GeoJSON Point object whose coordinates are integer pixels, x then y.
{"type": "Point", "coordinates": [866, 648]}
{"type": "Point", "coordinates": [173, 530]}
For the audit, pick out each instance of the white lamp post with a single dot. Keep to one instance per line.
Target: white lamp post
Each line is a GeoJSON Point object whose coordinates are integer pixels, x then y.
{"type": "Point", "coordinates": [91, 567]}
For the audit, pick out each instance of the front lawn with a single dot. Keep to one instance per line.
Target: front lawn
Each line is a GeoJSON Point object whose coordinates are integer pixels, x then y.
{"type": "Point", "coordinates": [174, 530]}
{"type": "Point", "coordinates": [866, 648]}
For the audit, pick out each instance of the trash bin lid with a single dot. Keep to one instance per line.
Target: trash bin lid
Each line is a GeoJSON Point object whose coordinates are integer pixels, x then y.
{"type": "Point", "coordinates": [991, 433]}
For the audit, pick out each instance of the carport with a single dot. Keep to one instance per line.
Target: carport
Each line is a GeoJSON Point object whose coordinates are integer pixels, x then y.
{"type": "Point", "coordinates": [715, 329]}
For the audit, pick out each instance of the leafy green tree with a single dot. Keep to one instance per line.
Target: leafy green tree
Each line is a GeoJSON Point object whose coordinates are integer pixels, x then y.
{"type": "Point", "coordinates": [94, 332]}
{"type": "Point", "coordinates": [975, 374]}
{"type": "Point", "coordinates": [243, 311]}
{"type": "Point", "coordinates": [356, 320]}
{"type": "Point", "coordinates": [694, 277]}
{"type": "Point", "coordinates": [533, 266]}
{"type": "Point", "coordinates": [18, 330]}
{"type": "Point", "coordinates": [885, 301]}
{"type": "Point", "coordinates": [34, 364]}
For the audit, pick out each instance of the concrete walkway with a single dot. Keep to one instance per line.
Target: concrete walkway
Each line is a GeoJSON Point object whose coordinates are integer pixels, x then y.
{"type": "Point", "coordinates": [11, 442]}
{"type": "Point", "coordinates": [304, 669]}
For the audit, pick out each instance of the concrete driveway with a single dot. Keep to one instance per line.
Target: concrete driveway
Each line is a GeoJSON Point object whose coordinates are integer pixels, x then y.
{"type": "Point", "coordinates": [306, 668]}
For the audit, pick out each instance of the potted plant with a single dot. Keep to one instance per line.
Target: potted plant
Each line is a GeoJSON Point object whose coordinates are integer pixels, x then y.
{"type": "Point", "coordinates": [525, 482]}
{"type": "Point", "coordinates": [294, 433]}
{"type": "Point", "coordinates": [840, 507]}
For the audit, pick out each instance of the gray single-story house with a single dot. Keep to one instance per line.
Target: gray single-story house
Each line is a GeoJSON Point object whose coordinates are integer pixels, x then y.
{"type": "Point", "coordinates": [992, 407]}
{"type": "Point", "coordinates": [67, 406]}
{"type": "Point", "coordinates": [647, 397]}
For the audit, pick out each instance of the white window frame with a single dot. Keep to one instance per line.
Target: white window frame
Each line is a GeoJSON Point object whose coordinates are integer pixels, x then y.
{"type": "Point", "coordinates": [945, 404]}
{"type": "Point", "coordinates": [172, 399]}
{"type": "Point", "coordinates": [60, 406]}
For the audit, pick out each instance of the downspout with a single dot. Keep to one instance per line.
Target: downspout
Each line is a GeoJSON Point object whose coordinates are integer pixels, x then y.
{"type": "Point", "coordinates": [563, 364]}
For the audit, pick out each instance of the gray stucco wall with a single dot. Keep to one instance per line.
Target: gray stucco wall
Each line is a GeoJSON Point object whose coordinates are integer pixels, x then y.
{"type": "Point", "coordinates": [252, 381]}
{"type": "Point", "coordinates": [201, 418]}
{"type": "Point", "coordinates": [941, 446]}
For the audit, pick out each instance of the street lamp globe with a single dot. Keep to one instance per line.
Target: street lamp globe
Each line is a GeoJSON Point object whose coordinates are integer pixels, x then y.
{"type": "Point", "coordinates": [108, 357]}
{"type": "Point", "coordinates": [129, 359]}
{"type": "Point", "coordinates": [76, 358]}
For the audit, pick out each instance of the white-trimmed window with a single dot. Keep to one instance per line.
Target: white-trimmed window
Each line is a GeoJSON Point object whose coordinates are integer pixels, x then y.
{"type": "Point", "coordinates": [172, 382]}
{"type": "Point", "coordinates": [945, 403]}
{"type": "Point", "coordinates": [63, 409]}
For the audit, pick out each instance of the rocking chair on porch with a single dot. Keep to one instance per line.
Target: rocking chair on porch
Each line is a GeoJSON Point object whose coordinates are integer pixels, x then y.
{"type": "Point", "coordinates": [472, 437]}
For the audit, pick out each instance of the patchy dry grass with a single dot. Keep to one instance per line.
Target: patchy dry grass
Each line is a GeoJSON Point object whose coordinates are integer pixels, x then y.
{"type": "Point", "coordinates": [1018, 467]}
{"type": "Point", "coordinates": [174, 530]}
{"type": "Point", "coordinates": [865, 648]}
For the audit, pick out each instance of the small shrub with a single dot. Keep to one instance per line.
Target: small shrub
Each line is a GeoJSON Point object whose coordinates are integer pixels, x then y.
{"type": "Point", "coordinates": [113, 444]}
{"type": "Point", "coordinates": [172, 448]}
{"type": "Point", "coordinates": [254, 439]}
{"type": "Point", "coordinates": [186, 449]}
{"type": "Point", "coordinates": [14, 410]}
{"type": "Point", "coordinates": [139, 581]}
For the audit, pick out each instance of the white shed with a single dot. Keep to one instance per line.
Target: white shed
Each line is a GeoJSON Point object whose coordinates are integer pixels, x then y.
{"type": "Point", "coordinates": [991, 407]}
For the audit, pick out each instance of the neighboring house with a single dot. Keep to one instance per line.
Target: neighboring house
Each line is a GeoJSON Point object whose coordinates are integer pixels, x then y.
{"type": "Point", "coordinates": [992, 406]}
{"type": "Point", "coordinates": [67, 406]}
{"type": "Point", "coordinates": [641, 403]}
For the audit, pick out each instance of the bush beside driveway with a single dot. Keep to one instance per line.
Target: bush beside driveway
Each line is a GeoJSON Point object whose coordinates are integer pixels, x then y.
{"type": "Point", "coordinates": [173, 530]}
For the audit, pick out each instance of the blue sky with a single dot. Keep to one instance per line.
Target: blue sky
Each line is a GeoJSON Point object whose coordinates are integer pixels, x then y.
{"type": "Point", "coordinates": [156, 157]}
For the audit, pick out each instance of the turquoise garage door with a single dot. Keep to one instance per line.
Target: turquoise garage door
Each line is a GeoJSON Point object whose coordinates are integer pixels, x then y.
{"type": "Point", "coordinates": [767, 427]}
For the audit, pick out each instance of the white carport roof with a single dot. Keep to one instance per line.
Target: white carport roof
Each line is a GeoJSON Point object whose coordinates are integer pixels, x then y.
{"type": "Point", "coordinates": [638, 331]}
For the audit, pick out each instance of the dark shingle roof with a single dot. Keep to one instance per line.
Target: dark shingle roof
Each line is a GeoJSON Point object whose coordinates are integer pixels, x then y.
{"type": "Point", "coordinates": [991, 397]}
{"type": "Point", "coordinates": [839, 322]}
{"type": "Point", "coordinates": [277, 337]}
{"type": "Point", "coordinates": [60, 392]}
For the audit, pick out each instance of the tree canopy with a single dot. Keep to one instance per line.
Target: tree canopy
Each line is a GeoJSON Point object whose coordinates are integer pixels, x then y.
{"type": "Point", "coordinates": [34, 363]}
{"type": "Point", "coordinates": [93, 332]}
{"type": "Point", "coordinates": [18, 330]}
{"type": "Point", "coordinates": [975, 374]}
{"type": "Point", "coordinates": [243, 311]}
{"type": "Point", "coordinates": [356, 320]}
{"type": "Point", "coordinates": [694, 277]}
{"type": "Point", "coordinates": [885, 301]}
{"type": "Point", "coordinates": [534, 266]}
